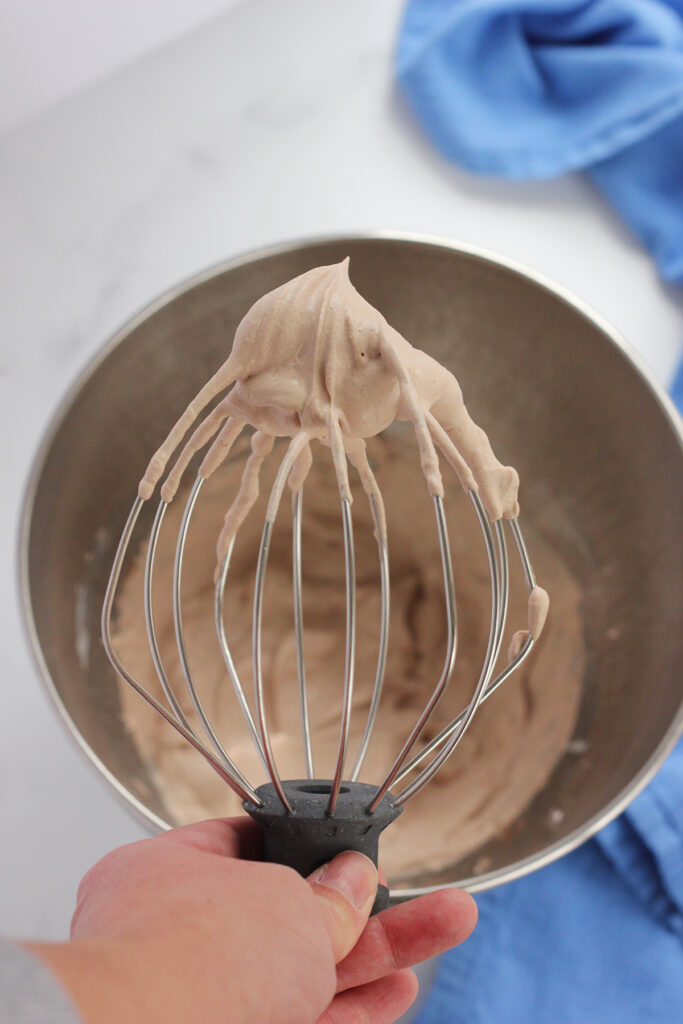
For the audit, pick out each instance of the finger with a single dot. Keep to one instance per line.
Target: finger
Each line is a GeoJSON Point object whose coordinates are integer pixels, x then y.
{"type": "Point", "coordinates": [381, 1002]}
{"type": "Point", "coordinates": [346, 889]}
{"type": "Point", "coordinates": [227, 837]}
{"type": "Point", "coordinates": [407, 935]}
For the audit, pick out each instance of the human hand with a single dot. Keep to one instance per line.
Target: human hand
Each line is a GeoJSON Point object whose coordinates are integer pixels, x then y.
{"type": "Point", "coordinates": [188, 927]}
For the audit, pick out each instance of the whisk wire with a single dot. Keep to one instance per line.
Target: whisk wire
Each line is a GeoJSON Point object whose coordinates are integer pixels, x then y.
{"type": "Point", "coordinates": [451, 650]}
{"type": "Point", "coordinates": [350, 566]}
{"type": "Point", "coordinates": [291, 455]}
{"type": "Point", "coordinates": [383, 639]}
{"type": "Point", "coordinates": [178, 618]}
{"type": "Point", "coordinates": [149, 616]}
{"type": "Point", "coordinates": [219, 618]}
{"type": "Point", "coordinates": [527, 567]}
{"type": "Point", "coordinates": [297, 504]}
{"type": "Point", "coordinates": [258, 668]}
{"type": "Point", "coordinates": [228, 772]}
{"type": "Point", "coordinates": [503, 586]}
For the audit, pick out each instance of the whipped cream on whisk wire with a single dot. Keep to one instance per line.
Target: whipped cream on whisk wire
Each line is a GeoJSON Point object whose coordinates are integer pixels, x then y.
{"type": "Point", "coordinates": [313, 360]}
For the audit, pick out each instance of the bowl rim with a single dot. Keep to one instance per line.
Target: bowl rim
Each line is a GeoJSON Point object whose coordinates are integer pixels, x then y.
{"type": "Point", "coordinates": [475, 883]}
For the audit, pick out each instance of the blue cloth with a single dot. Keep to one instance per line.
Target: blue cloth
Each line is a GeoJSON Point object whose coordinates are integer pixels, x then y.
{"type": "Point", "coordinates": [534, 88]}
{"type": "Point", "coordinates": [595, 938]}
{"type": "Point", "coordinates": [677, 389]}
{"type": "Point", "coordinates": [531, 89]}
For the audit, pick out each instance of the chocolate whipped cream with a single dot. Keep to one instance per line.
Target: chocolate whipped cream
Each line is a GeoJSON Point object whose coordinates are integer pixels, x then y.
{"type": "Point", "coordinates": [516, 737]}
{"type": "Point", "coordinates": [313, 360]}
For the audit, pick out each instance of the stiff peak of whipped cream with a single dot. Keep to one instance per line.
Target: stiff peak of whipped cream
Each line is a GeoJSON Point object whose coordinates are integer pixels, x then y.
{"type": "Point", "coordinates": [313, 360]}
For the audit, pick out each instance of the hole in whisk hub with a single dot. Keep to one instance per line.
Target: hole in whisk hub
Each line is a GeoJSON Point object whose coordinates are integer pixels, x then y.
{"type": "Point", "coordinates": [320, 787]}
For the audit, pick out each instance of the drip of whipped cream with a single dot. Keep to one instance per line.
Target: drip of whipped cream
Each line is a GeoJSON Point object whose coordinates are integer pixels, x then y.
{"type": "Point", "coordinates": [313, 360]}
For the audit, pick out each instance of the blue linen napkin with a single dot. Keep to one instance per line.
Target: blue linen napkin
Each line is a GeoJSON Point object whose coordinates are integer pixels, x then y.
{"type": "Point", "coordinates": [531, 89]}
{"type": "Point", "coordinates": [535, 88]}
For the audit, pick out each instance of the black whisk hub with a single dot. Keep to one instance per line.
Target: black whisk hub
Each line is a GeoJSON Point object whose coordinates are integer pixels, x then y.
{"type": "Point", "coordinates": [309, 836]}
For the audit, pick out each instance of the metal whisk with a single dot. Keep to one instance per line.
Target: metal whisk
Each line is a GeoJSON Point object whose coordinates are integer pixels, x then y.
{"type": "Point", "coordinates": [307, 821]}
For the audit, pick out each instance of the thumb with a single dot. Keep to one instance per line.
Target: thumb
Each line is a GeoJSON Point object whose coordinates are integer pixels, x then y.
{"type": "Point", "coordinates": [346, 889]}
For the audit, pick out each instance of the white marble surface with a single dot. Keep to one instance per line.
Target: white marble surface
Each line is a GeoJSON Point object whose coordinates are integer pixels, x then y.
{"type": "Point", "coordinates": [49, 51]}
{"type": "Point", "coordinates": [276, 121]}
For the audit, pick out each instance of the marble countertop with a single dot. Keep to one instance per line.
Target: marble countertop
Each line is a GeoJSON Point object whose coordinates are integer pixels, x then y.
{"type": "Point", "coordinates": [276, 121]}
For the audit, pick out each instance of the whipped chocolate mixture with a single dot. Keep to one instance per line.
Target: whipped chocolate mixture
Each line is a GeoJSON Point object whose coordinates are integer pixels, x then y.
{"type": "Point", "coordinates": [313, 360]}
{"type": "Point", "coordinates": [516, 737]}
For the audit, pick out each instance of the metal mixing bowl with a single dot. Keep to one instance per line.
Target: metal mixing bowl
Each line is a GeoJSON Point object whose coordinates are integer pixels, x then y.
{"type": "Point", "coordinates": [596, 441]}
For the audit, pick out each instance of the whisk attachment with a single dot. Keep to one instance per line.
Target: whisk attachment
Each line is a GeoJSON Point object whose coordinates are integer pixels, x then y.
{"type": "Point", "coordinates": [300, 359]}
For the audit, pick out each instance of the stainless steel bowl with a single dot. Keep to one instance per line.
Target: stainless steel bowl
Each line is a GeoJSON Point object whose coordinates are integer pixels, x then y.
{"type": "Point", "coordinates": [597, 443]}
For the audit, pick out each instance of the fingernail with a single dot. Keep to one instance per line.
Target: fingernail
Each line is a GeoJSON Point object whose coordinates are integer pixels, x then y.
{"type": "Point", "coordinates": [351, 874]}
